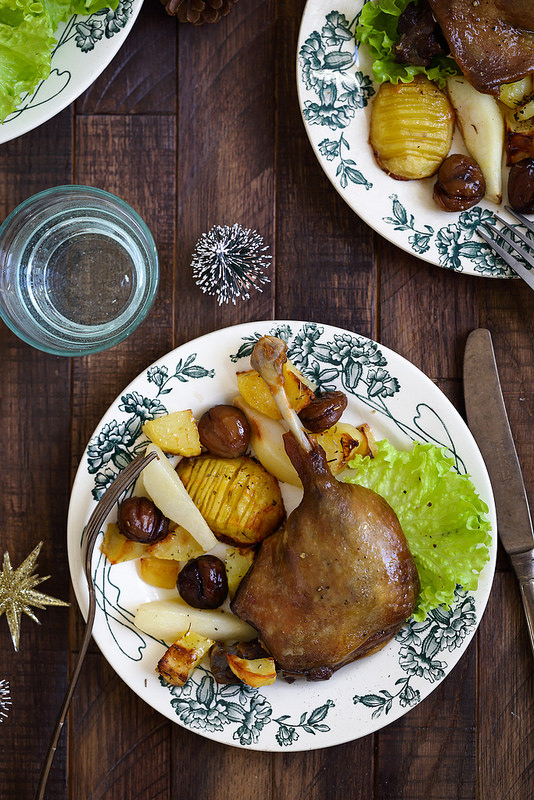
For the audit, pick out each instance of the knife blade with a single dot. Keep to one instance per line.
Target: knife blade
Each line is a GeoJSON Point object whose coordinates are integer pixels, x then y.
{"type": "Point", "coordinates": [489, 424]}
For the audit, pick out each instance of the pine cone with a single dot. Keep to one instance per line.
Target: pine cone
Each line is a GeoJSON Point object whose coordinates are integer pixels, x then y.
{"type": "Point", "coordinates": [198, 11]}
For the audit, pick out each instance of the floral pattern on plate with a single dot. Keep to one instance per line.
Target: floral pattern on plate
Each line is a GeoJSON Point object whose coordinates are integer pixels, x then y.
{"type": "Point", "coordinates": [85, 46]}
{"type": "Point", "coordinates": [399, 402]}
{"type": "Point", "coordinates": [335, 93]}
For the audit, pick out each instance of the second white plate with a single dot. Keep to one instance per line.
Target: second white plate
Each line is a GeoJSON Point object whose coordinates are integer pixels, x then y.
{"type": "Point", "coordinates": [335, 90]}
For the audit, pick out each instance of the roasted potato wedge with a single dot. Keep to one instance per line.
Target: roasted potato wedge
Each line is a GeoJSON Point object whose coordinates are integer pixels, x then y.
{"type": "Point", "coordinates": [237, 561]}
{"type": "Point", "coordinates": [411, 128]}
{"type": "Point", "coordinates": [256, 393]}
{"type": "Point", "coordinates": [512, 94]}
{"type": "Point", "coordinates": [179, 661]}
{"type": "Point", "coordinates": [254, 672]}
{"type": "Point", "coordinates": [178, 545]}
{"type": "Point", "coordinates": [240, 501]}
{"type": "Point", "coordinates": [175, 433]}
{"type": "Point", "coordinates": [160, 572]}
{"type": "Point", "coordinates": [117, 548]}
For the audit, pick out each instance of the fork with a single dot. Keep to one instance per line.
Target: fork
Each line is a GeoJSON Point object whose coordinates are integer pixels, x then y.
{"type": "Point", "coordinates": [512, 262]}
{"type": "Point", "coordinates": [93, 528]}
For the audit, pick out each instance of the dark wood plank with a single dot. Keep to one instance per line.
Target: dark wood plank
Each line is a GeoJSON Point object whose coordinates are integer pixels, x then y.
{"type": "Point", "coordinates": [225, 152]}
{"type": "Point", "coordinates": [506, 697]}
{"type": "Point", "coordinates": [35, 403]}
{"type": "Point", "coordinates": [431, 751]}
{"type": "Point", "coordinates": [141, 78]}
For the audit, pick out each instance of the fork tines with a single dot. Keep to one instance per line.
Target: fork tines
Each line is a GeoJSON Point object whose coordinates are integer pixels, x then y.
{"type": "Point", "coordinates": [502, 233]}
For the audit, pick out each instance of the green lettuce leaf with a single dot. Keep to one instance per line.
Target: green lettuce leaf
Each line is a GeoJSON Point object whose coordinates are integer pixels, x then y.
{"type": "Point", "coordinates": [27, 41]}
{"type": "Point", "coordinates": [443, 518]}
{"type": "Point", "coordinates": [377, 28]}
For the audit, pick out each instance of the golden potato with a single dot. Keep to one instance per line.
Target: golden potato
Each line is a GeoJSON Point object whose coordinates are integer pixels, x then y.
{"type": "Point", "coordinates": [254, 672]}
{"type": "Point", "coordinates": [160, 572]}
{"type": "Point", "coordinates": [178, 545]}
{"type": "Point", "coordinates": [237, 561]}
{"type": "Point", "coordinates": [411, 128]}
{"type": "Point", "coordinates": [240, 501]}
{"type": "Point", "coordinates": [175, 433]}
{"type": "Point", "coordinates": [257, 395]}
{"type": "Point", "coordinates": [117, 548]}
{"type": "Point", "coordinates": [179, 661]}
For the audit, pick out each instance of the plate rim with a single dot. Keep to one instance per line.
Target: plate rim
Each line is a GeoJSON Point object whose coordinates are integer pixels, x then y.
{"type": "Point", "coordinates": [67, 97]}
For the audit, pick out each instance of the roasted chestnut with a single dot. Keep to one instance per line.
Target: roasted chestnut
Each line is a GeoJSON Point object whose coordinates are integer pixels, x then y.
{"type": "Point", "coordinates": [460, 183]}
{"type": "Point", "coordinates": [139, 519]}
{"type": "Point", "coordinates": [224, 431]}
{"type": "Point", "coordinates": [521, 186]}
{"type": "Point", "coordinates": [202, 583]}
{"type": "Point", "coordinates": [323, 411]}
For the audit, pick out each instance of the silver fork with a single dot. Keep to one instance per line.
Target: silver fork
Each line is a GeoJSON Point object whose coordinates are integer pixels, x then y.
{"type": "Point", "coordinates": [512, 262]}
{"type": "Point", "coordinates": [93, 528]}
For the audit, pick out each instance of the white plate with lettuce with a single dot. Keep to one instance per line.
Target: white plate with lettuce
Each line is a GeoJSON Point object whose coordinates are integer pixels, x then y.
{"type": "Point", "coordinates": [449, 522]}
{"type": "Point", "coordinates": [336, 85]}
{"type": "Point", "coordinates": [71, 42]}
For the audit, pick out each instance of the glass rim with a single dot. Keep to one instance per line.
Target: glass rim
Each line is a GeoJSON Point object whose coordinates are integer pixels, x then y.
{"type": "Point", "coordinates": [138, 312]}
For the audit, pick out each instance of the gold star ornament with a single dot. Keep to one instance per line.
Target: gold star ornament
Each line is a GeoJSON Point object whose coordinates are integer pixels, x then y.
{"type": "Point", "coordinates": [18, 594]}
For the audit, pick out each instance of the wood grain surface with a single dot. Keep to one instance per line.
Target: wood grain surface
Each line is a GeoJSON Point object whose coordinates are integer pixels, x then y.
{"type": "Point", "coordinates": [196, 126]}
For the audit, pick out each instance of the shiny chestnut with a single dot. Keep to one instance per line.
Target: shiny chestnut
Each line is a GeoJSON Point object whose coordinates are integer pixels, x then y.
{"type": "Point", "coordinates": [460, 183]}
{"type": "Point", "coordinates": [521, 186]}
{"type": "Point", "coordinates": [139, 520]}
{"type": "Point", "coordinates": [323, 411]}
{"type": "Point", "coordinates": [224, 431]}
{"type": "Point", "coordinates": [202, 583]}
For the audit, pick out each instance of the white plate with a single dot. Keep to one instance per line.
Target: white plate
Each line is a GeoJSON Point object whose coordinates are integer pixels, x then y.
{"type": "Point", "coordinates": [400, 403]}
{"type": "Point", "coordinates": [85, 46]}
{"type": "Point", "coordinates": [335, 95]}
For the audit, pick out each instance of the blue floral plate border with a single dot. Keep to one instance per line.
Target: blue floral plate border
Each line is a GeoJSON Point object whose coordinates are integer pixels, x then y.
{"type": "Point", "coordinates": [85, 46]}
{"type": "Point", "coordinates": [335, 94]}
{"type": "Point", "coordinates": [399, 402]}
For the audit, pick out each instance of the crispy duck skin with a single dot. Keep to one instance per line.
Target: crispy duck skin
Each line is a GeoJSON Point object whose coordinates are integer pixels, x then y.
{"type": "Point", "coordinates": [338, 580]}
{"type": "Point", "coordinates": [492, 41]}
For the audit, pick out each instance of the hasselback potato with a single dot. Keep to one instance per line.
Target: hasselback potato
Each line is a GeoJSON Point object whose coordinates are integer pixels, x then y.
{"type": "Point", "coordinates": [411, 128]}
{"type": "Point", "coordinates": [238, 498]}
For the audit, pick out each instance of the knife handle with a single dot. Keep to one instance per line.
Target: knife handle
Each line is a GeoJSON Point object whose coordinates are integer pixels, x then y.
{"type": "Point", "coordinates": [523, 564]}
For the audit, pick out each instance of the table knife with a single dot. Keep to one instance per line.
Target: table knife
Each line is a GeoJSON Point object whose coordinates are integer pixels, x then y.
{"type": "Point", "coordinates": [488, 421]}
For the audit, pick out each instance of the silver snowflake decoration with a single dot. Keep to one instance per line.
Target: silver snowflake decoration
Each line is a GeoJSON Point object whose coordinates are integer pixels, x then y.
{"type": "Point", "coordinates": [5, 700]}
{"type": "Point", "coordinates": [229, 262]}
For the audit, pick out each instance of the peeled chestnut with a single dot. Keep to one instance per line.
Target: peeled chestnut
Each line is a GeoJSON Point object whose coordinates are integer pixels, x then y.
{"type": "Point", "coordinates": [140, 520]}
{"type": "Point", "coordinates": [323, 411]}
{"type": "Point", "coordinates": [224, 431]}
{"type": "Point", "coordinates": [460, 183]}
{"type": "Point", "coordinates": [202, 583]}
{"type": "Point", "coordinates": [521, 186]}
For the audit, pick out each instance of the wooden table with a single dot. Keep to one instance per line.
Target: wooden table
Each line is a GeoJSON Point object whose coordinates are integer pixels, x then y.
{"type": "Point", "coordinates": [196, 127]}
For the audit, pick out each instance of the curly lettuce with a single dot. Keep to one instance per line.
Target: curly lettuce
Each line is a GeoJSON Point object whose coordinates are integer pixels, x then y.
{"type": "Point", "coordinates": [27, 40]}
{"type": "Point", "coordinates": [443, 518]}
{"type": "Point", "coordinates": [377, 29]}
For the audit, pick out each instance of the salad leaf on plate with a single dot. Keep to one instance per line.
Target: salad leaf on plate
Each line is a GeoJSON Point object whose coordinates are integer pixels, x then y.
{"type": "Point", "coordinates": [443, 518]}
{"type": "Point", "coordinates": [27, 40]}
{"type": "Point", "coordinates": [377, 28]}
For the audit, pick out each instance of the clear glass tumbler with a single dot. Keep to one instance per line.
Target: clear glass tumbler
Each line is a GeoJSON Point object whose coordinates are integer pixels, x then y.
{"type": "Point", "coordinates": [78, 270]}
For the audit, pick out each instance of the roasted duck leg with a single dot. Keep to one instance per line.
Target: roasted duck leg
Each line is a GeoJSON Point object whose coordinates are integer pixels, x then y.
{"type": "Point", "coordinates": [338, 581]}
